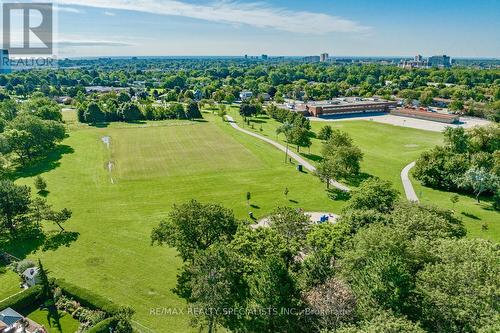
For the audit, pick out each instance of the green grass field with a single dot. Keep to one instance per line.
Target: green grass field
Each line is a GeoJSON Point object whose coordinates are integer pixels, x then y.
{"type": "Point", "coordinates": [387, 150]}
{"type": "Point", "coordinates": [64, 324]}
{"type": "Point", "coordinates": [155, 167]}
{"type": "Point", "coordinates": [161, 163]}
{"type": "Point", "coordinates": [9, 283]}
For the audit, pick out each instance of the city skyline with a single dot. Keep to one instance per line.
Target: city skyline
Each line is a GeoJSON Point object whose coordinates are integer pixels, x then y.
{"type": "Point", "coordinates": [459, 29]}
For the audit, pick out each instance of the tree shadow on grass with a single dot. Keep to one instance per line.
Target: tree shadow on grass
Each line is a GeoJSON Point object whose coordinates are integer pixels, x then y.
{"type": "Point", "coordinates": [49, 162]}
{"type": "Point", "coordinates": [55, 240]}
{"type": "Point", "coordinates": [312, 157]}
{"type": "Point", "coordinates": [43, 193]}
{"type": "Point", "coordinates": [199, 120]}
{"type": "Point", "coordinates": [21, 248]}
{"type": "Point", "coordinates": [54, 317]}
{"type": "Point", "coordinates": [255, 206]}
{"type": "Point", "coordinates": [100, 125]}
{"type": "Point", "coordinates": [357, 179]}
{"type": "Point", "coordinates": [471, 216]}
{"type": "Point", "coordinates": [338, 195]}
{"type": "Point", "coordinates": [257, 121]}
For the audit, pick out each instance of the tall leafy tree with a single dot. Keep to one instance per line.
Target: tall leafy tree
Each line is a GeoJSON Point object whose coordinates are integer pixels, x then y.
{"type": "Point", "coordinates": [194, 226]}
{"type": "Point", "coordinates": [480, 181]}
{"type": "Point", "coordinates": [28, 137]}
{"type": "Point", "coordinates": [275, 298]}
{"type": "Point", "coordinates": [93, 114]}
{"type": "Point", "coordinates": [15, 201]}
{"type": "Point", "coordinates": [457, 139]}
{"type": "Point", "coordinates": [193, 111]}
{"type": "Point", "coordinates": [213, 285]}
{"type": "Point", "coordinates": [459, 289]}
{"type": "Point", "coordinates": [130, 112]}
{"type": "Point", "coordinates": [373, 194]}
{"type": "Point", "coordinates": [341, 158]}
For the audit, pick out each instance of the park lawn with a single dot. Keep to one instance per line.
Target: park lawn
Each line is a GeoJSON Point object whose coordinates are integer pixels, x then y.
{"type": "Point", "coordinates": [387, 150]}
{"type": "Point", "coordinates": [64, 324]}
{"type": "Point", "coordinates": [472, 213]}
{"type": "Point", "coordinates": [9, 282]}
{"type": "Point", "coordinates": [156, 164]}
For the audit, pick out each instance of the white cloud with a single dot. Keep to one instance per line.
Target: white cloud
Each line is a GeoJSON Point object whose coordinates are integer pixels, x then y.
{"type": "Point", "coordinates": [255, 14]}
{"type": "Point", "coordinates": [109, 13]}
{"type": "Point", "coordinates": [67, 9]}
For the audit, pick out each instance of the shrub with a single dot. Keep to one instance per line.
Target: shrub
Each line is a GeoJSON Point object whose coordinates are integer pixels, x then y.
{"type": "Point", "coordinates": [26, 299]}
{"type": "Point", "coordinates": [104, 326]}
{"type": "Point", "coordinates": [87, 298]}
{"type": "Point", "coordinates": [23, 265]}
{"type": "Point", "coordinates": [88, 317]}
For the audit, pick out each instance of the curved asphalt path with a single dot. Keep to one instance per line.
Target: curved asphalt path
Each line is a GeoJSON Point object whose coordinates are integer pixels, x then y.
{"type": "Point", "coordinates": [409, 191]}
{"type": "Point", "coordinates": [292, 154]}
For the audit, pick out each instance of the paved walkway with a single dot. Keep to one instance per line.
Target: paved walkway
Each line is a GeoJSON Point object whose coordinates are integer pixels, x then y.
{"type": "Point", "coordinates": [292, 154]}
{"type": "Point", "coordinates": [314, 217]}
{"type": "Point", "coordinates": [409, 191]}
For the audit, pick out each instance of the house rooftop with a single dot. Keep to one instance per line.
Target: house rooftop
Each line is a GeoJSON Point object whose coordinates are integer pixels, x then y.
{"type": "Point", "coordinates": [30, 272]}
{"type": "Point", "coordinates": [9, 317]}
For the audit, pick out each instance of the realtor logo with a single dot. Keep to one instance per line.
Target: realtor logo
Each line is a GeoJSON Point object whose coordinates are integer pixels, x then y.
{"type": "Point", "coordinates": [28, 28]}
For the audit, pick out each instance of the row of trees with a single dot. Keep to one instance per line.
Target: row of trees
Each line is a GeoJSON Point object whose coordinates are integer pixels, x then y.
{"type": "Point", "coordinates": [384, 266]}
{"type": "Point", "coordinates": [474, 91]}
{"type": "Point", "coordinates": [112, 107]}
{"type": "Point", "coordinates": [469, 161]}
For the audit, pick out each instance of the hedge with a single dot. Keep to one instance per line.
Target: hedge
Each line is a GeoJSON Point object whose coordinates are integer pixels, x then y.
{"type": "Point", "coordinates": [87, 298]}
{"type": "Point", "coordinates": [104, 326]}
{"type": "Point", "coordinates": [26, 299]}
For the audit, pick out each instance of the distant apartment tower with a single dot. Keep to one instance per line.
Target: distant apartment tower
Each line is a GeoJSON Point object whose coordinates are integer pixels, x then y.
{"type": "Point", "coordinates": [417, 62]}
{"type": "Point", "coordinates": [440, 61]}
{"type": "Point", "coordinates": [323, 57]}
{"type": "Point", "coordinates": [4, 62]}
{"type": "Point", "coordinates": [311, 59]}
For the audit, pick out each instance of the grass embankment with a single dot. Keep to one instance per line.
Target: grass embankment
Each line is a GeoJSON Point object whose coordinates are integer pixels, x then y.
{"type": "Point", "coordinates": [9, 282]}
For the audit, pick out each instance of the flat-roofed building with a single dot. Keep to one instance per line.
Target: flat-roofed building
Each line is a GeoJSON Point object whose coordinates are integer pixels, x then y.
{"type": "Point", "coordinates": [440, 61]}
{"type": "Point", "coordinates": [348, 105]}
{"type": "Point", "coordinates": [311, 59]}
{"type": "Point", "coordinates": [426, 115]}
{"type": "Point", "coordinates": [245, 95]}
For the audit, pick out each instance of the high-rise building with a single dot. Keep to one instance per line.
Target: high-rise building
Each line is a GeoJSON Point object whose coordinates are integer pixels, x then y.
{"type": "Point", "coordinates": [311, 59]}
{"type": "Point", "coordinates": [4, 62]}
{"type": "Point", "coordinates": [323, 57]}
{"type": "Point", "coordinates": [417, 62]}
{"type": "Point", "coordinates": [440, 61]}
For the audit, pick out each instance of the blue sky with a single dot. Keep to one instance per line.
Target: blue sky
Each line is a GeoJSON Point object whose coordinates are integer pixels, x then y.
{"type": "Point", "coordinates": [279, 27]}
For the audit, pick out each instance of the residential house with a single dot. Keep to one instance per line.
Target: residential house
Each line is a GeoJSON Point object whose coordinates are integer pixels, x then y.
{"type": "Point", "coordinates": [30, 276]}
{"type": "Point", "coordinates": [12, 322]}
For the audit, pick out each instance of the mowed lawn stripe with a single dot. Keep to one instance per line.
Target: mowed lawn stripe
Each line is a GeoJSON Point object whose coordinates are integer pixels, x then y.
{"type": "Point", "coordinates": [170, 151]}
